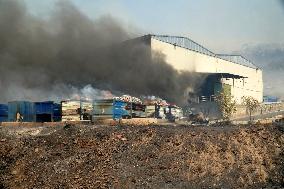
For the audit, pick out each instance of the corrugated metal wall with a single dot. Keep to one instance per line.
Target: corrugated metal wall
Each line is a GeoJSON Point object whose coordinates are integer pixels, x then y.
{"type": "Point", "coordinates": [44, 107]}
{"type": "Point", "coordinates": [119, 110]}
{"type": "Point", "coordinates": [44, 111]}
{"type": "Point", "coordinates": [25, 108]}
{"type": "Point", "coordinates": [3, 112]}
{"type": "Point", "coordinates": [109, 109]}
{"type": "Point", "coordinates": [57, 112]}
{"type": "Point", "coordinates": [102, 109]}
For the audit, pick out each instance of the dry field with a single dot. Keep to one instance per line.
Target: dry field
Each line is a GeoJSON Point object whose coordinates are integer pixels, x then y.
{"type": "Point", "coordinates": [181, 156]}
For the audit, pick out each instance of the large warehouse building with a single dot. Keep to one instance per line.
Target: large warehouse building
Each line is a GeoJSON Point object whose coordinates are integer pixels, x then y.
{"type": "Point", "coordinates": [233, 72]}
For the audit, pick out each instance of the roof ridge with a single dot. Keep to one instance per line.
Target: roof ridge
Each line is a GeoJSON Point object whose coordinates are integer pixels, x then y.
{"type": "Point", "coordinates": [188, 43]}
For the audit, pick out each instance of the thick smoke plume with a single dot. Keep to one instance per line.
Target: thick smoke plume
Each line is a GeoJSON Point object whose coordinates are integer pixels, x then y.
{"type": "Point", "coordinates": [50, 59]}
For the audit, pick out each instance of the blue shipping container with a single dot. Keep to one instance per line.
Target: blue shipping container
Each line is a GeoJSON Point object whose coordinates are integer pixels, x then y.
{"type": "Point", "coordinates": [119, 110]}
{"type": "Point", "coordinates": [109, 108]}
{"type": "Point", "coordinates": [57, 110]}
{"type": "Point", "coordinates": [44, 107]}
{"type": "Point", "coordinates": [4, 110]}
{"type": "Point", "coordinates": [57, 115]}
{"type": "Point", "coordinates": [47, 111]}
{"type": "Point", "coordinates": [25, 108]}
{"type": "Point", "coordinates": [44, 111]}
{"type": "Point", "coordinates": [3, 118]}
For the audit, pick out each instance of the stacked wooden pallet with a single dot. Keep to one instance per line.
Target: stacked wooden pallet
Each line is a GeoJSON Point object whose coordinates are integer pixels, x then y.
{"type": "Point", "coordinates": [87, 107]}
{"type": "Point", "coordinates": [70, 110]}
{"type": "Point", "coordinates": [150, 111]}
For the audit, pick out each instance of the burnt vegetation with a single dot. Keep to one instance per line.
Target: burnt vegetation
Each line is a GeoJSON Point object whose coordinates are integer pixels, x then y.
{"type": "Point", "coordinates": [79, 156]}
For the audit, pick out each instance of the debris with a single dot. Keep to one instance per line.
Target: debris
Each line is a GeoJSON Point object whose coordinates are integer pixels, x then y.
{"type": "Point", "coordinates": [128, 98]}
{"type": "Point", "coordinates": [3, 140]}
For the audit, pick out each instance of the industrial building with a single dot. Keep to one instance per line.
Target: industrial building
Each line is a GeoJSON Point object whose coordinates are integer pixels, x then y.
{"type": "Point", "coordinates": [233, 72]}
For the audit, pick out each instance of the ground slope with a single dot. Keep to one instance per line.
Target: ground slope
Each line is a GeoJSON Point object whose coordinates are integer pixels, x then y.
{"type": "Point", "coordinates": [77, 156]}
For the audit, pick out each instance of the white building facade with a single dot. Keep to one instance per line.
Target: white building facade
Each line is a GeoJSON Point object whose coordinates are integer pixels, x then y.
{"type": "Point", "coordinates": [241, 76]}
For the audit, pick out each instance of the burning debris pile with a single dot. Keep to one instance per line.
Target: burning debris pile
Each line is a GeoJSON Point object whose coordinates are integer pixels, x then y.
{"type": "Point", "coordinates": [146, 100]}
{"type": "Point", "coordinates": [129, 99]}
{"type": "Point", "coordinates": [152, 100]}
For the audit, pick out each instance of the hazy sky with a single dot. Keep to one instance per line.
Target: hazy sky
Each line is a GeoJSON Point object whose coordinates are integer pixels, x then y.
{"type": "Point", "coordinates": [220, 25]}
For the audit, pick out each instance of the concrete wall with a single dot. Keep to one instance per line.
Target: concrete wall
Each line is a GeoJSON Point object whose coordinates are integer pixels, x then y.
{"type": "Point", "coordinates": [188, 60]}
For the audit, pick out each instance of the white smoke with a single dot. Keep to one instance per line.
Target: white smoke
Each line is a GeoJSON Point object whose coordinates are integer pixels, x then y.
{"type": "Point", "coordinates": [90, 93]}
{"type": "Point", "coordinates": [56, 93]}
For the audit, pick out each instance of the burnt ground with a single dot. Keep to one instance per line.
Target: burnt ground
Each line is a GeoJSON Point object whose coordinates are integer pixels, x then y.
{"type": "Point", "coordinates": [78, 156]}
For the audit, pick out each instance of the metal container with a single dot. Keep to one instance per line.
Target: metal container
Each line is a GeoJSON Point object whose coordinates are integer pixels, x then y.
{"type": "Point", "coordinates": [102, 109]}
{"type": "Point", "coordinates": [3, 110]}
{"type": "Point", "coordinates": [44, 107]}
{"type": "Point", "coordinates": [24, 108]}
{"type": "Point", "coordinates": [119, 110]}
{"type": "Point", "coordinates": [3, 118]}
{"type": "Point", "coordinates": [138, 110]}
{"type": "Point", "coordinates": [44, 111]}
{"type": "Point", "coordinates": [57, 112]}
{"type": "Point", "coordinates": [110, 109]}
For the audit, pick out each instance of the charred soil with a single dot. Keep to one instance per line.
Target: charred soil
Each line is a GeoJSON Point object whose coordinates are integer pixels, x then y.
{"type": "Point", "coordinates": [89, 156]}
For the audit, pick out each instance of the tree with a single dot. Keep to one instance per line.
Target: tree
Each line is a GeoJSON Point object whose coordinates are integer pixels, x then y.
{"type": "Point", "coordinates": [227, 105]}
{"type": "Point", "coordinates": [251, 104]}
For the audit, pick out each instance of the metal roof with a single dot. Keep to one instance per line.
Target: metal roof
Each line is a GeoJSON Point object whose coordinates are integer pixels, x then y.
{"type": "Point", "coordinates": [187, 43]}
{"type": "Point", "coordinates": [239, 59]}
{"type": "Point", "coordinates": [184, 43]}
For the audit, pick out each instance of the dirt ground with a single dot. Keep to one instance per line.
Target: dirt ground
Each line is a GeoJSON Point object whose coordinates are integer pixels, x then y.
{"type": "Point", "coordinates": [180, 156]}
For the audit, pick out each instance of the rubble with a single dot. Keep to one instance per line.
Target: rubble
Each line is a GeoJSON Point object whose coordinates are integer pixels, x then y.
{"type": "Point", "coordinates": [128, 98]}
{"type": "Point", "coordinates": [153, 100]}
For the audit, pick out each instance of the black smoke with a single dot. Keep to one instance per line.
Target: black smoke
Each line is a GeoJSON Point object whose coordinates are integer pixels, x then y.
{"type": "Point", "coordinates": [47, 58]}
